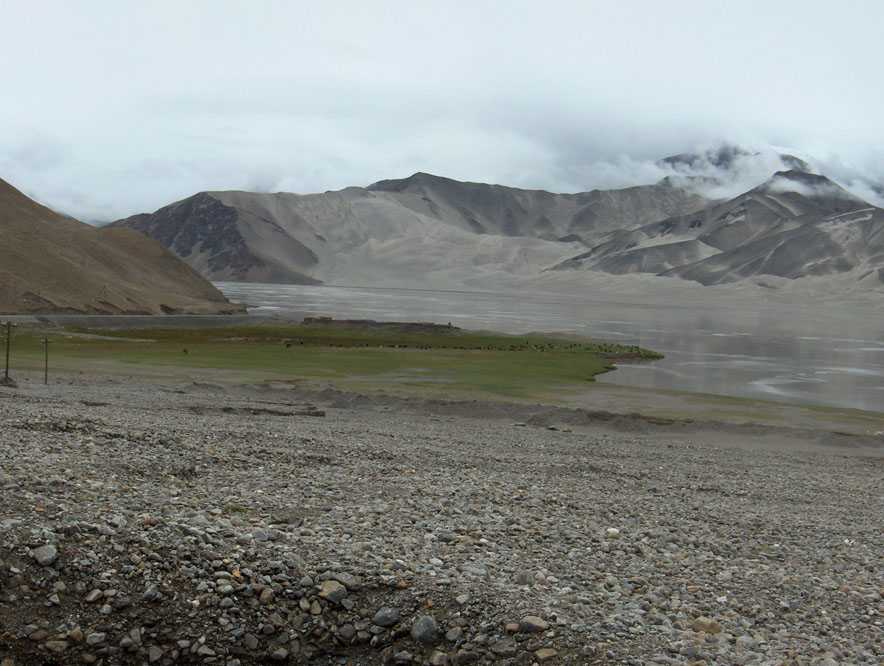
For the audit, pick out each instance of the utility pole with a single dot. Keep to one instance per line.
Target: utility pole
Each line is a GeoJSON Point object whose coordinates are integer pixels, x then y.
{"type": "Point", "coordinates": [45, 360]}
{"type": "Point", "coordinates": [8, 343]}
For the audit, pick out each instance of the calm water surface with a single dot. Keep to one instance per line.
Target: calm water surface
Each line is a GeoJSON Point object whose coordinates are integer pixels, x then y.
{"type": "Point", "coordinates": [796, 355]}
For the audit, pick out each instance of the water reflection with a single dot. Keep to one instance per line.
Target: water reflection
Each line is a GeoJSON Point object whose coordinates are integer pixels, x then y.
{"type": "Point", "coordinates": [774, 352]}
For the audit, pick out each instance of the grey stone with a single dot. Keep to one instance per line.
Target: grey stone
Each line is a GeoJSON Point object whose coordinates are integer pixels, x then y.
{"type": "Point", "coordinates": [56, 646]}
{"type": "Point", "coordinates": [425, 630]}
{"type": "Point", "coordinates": [332, 590]}
{"type": "Point", "coordinates": [531, 624]}
{"type": "Point", "coordinates": [505, 647]}
{"type": "Point", "coordinates": [464, 657]}
{"type": "Point", "coordinates": [45, 555]}
{"type": "Point", "coordinates": [545, 654]}
{"type": "Point", "coordinates": [386, 617]}
{"type": "Point", "coordinates": [454, 634]}
{"type": "Point", "coordinates": [152, 593]}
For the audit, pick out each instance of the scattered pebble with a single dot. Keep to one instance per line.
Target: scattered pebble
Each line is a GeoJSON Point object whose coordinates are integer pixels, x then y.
{"type": "Point", "coordinates": [157, 530]}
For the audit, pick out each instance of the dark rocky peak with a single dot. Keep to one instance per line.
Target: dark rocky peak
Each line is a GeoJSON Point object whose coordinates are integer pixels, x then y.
{"type": "Point", "coordinates": [803, 177]}
{"type": "Point", "coordinates": [723, 157]}
{"type": "Point", "coordinates": [794, 162]}
{"type": "Point", "coordinates": [402, 184]}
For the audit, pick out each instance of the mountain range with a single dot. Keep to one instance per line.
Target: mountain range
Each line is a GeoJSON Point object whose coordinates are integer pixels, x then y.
{"type": "Point", "coordinates": [794, 225]}
{"type": "Point", "coordinates": [424, 226]}
{"type": "Point", "coordinates": [53, 263]}
{"type": "Point", "coordinates": [432, 231]}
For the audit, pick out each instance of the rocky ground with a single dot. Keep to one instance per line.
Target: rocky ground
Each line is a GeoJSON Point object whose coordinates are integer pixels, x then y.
{"type": "Point", "coordinates": [203, 524]}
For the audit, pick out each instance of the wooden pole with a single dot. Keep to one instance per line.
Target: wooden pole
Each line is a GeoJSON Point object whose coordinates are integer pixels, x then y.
{"type": "Point", "coordinates": [8, 342]}
{"type": "Point", "coordinates": [45, 360]}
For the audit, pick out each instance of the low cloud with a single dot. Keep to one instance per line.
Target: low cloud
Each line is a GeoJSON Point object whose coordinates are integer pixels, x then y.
{"type": "Point", "coordinates": [96, 192]}
{"type": "Point", "coordinates": [126, 108]}
{"type": "Point", "coordinates": [724, 170]}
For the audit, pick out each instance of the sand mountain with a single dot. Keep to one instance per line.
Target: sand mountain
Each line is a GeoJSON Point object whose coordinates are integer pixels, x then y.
{"type": "Point", "coordinates": [393, 230]}
{"type": "Point", "coordinates": [53, 263]}
{"type": "Point", "coordinates": [427, 230]}
{"type": "Point", "coordinates": [796, 224]}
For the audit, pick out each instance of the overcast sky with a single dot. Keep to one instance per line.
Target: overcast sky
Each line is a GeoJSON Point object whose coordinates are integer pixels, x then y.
{"type": "Point", "coordinates": [113, 108]}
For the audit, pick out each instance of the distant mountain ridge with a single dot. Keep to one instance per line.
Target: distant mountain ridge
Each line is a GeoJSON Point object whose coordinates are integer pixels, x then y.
{"type": "Point", "coordinates": [431, 230]}
{"type": "Point", "coordinates": [52, 263]}
{"type": "Point", "coordinates": [796, 224]}
{"type": "Point", "coordinates": [283, 237]}
{"type": "Point", "coordinates": [510, 211]}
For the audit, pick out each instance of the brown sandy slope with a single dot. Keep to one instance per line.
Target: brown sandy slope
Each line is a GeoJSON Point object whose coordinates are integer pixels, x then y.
{"type": "Point", "coordinates": [52, 263]}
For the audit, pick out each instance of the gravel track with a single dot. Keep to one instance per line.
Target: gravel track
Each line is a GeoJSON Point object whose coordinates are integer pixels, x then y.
{"type": "Point", "coordinates": [143, 523]}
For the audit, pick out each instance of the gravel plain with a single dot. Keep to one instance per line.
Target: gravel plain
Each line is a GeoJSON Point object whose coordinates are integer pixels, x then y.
{"type": "Point", "coordinates": [203, 523]}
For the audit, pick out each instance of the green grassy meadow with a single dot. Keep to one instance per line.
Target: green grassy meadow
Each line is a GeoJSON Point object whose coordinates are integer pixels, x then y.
{"type": "Point", "coordinates": [438, 359]}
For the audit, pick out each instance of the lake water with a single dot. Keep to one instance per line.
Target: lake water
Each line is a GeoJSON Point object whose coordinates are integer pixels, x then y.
{"type": "Point", "coordinates": [767, 351]}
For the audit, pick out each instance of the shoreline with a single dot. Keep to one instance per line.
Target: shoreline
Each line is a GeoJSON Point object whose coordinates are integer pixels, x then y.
{"type": "Point", "coordinates": [604, 394]}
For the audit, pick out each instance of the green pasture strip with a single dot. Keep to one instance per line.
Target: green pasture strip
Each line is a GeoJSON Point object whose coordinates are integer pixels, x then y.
{"type": "Point", "coordinates": [356, 336]}
{"type": "Point", "coordinates": [481, 363]}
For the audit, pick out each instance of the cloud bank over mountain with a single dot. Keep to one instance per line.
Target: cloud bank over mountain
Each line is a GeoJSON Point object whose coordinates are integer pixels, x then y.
{"type": "Point", "coordinates": [114, 108]}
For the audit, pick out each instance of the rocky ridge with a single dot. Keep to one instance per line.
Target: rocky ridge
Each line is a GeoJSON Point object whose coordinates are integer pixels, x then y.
{"type": "Point", "coordinates": [796, 224]}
